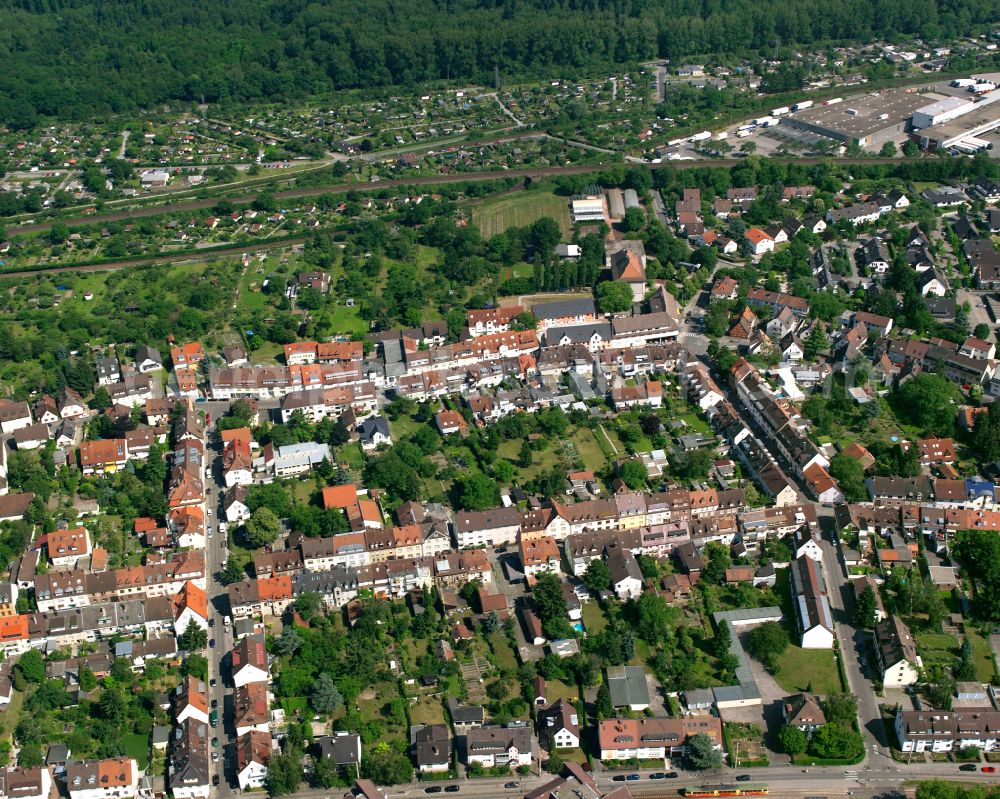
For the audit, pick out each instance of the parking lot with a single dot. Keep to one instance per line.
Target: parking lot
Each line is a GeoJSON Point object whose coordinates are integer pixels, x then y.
{"type": "Point", "coordinates": [787, 134]}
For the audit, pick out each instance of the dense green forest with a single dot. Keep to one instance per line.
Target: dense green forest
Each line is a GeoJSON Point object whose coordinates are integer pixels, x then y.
{"type": "Point", "coordinates": [83, 57]}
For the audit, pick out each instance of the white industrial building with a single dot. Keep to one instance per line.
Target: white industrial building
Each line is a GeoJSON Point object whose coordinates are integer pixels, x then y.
{"type": "Point", "coordinates": [941, 111]}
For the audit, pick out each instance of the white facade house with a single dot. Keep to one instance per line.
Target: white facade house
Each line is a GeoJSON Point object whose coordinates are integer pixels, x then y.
{"type": "Point", "coordinates": [249, 662]}
{"type": "Point", "coordinates": [499, 746]}
{"type": "Point", "coordinates": [806, 545]}
{"type": "Point", "coordinates": [298, 458]}
{"type": "Point", "coordinates": [896, 653]}
{"type": "Point", "coordinates": [947, 730]}
{"type": "Point", "coordinates": [253, 752]}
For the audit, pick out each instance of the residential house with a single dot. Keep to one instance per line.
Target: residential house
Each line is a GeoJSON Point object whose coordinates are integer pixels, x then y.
{"type": "Point", "coordinates": [111, 778]}
{"type": "Point", "coordinates": [188, 770]}
{"type": "Point", "coordinates": [343, 749]}
{"type": "Point", "coordinates": [653, 738]}
{"type": "Point", "coordinates": [432, 747]}
{"type": "Point", "coordinates": [253, 752]}
{"type": "Point", "coordinates": [803, 711]}
{"type": "Point", "coordinates": [251, 708]}
{"type": "Point", "coordinates": [559, 726]}
{"type": "Point", "coordinates": [249, 662]}
{"type": "Point", "coordinates": [896, 653]}
{"type": "Point", "coordinates": [493, 746]}
{"type": "Point", "coordinates": [947, 730]}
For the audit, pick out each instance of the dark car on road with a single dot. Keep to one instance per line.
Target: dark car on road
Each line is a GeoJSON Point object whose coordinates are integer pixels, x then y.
{"type": "Point", "coordinates": [433, 789]}
{"type": "Point", "coordinates": [632, 777]}
{"type": "Point", "coordinates": [618, 778]}
{"type": "Point", "coordinates": [451, 789]}
{"type": "Point", "coordinates": [657, 775]}
{"type": "Point", "coordinates": [511, 785]}
{"type": "Point", "coordinates": [743, 778]}
{"type": "Point", "coordinates": [967, 767]}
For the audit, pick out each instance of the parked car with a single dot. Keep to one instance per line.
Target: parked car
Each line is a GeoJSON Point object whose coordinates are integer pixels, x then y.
{"type": "Point", "coordinates": [451, 789]}
{"type": "Point", "coordinates": [511, 785]}
{"type": "Point", "coordinates": [989, 770]}
{"type": "Point", "coordinates": [433, 789]}
{"type": "Point", "coordinates": [215, 780]}
{"type": "Point", "coordinates": [743, 778]}
{"type": "Point", "coordinates": [618, 778]}
{"type": "Point", "coordinates": [967, 767]}
{"type": "Point", "coordinates": [632, 777]}
{"type": "Point", "coordinates": [671, 775]}
{"type": "Point", "coordinates": [657, 775]}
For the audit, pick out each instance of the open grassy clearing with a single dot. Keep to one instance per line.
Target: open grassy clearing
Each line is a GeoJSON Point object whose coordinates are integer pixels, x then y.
{"type": "Point", "coordinates": [137, 746]}
{"type": "Point", "coordinates": [504, 654]}
{"type": "Point", "coordinates": [594, 619]}
{"type": "Point", "coordinates": [944, 649]}
{"type": "Point", "coordinates": [521, 209]}
{"type": "Point", "coordinates": [427, 710]}
{"type": "Point", "coordinates": [801, 668]}
{"type": "Point", "coordinates": [588, 449]}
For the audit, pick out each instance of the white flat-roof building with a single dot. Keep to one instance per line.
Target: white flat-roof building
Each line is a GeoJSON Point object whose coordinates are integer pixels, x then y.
{"type": "Point", "coordinates": [941, 111]}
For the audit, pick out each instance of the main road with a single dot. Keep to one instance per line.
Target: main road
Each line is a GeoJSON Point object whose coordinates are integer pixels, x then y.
{"type": "Point", "coordinates": [792, 781]}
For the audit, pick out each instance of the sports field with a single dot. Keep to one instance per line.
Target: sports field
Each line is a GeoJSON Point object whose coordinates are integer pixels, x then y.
{"type": "Point", "coordinates": [518, 210]}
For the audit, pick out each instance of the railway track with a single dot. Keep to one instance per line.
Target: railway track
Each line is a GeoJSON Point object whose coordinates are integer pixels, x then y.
{"type": "Point", "coordinates": [433, 180]}
{"type": "Point", "coordinates": [155, 260]}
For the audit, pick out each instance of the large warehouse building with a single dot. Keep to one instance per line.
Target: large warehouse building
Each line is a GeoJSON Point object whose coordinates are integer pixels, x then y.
{"type": "Point", "coordinates": [941, 111]}
{"type": "Point", "coordinates": [979, 118]}
{"type": "Point", "coordinates": [870, 120]}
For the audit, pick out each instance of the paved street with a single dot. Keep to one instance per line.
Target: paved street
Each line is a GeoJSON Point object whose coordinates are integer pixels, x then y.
{"type": "Point", "coordinates": [862, 780]}
{"type": "Point", "coordinates": [851, 642]}
{"type": "Point", "coordinates": [218, 601]}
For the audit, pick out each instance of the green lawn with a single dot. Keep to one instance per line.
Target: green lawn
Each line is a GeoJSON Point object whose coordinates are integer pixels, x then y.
{"type": "Point", "coordinates": [348, 321]}
{"type": "Point", "coordinates": [697, 425]}
{"type": "Point", "coordinates": [521, 209]}
{"type": "Point", "coordinates": [556, 689]}
{"type": "Point", "coordinates": [427, 710]}
{"type": "Point", "coordinates": [403, 427]}
{"type": "Point", "coordinates": [137, 746]}
{"type": "Point", "coordinates": [594, 619]}
{"type": "Point", "coordinates": [504, 654]}
{"type": "Point", "coordinates": [588, 449]}
{"type": "Point", "coordinates": [11, 714]}
{"type": "Point", "coordinates": [800, 668]}
{"type": "Point", "coordinates": [251, 297]}
{"type": "Point", "coordinates": [350, 454]}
